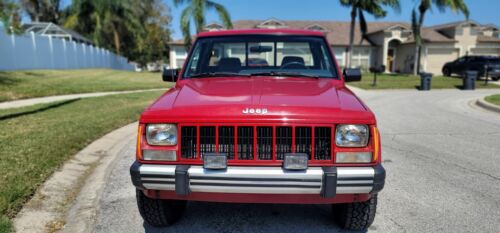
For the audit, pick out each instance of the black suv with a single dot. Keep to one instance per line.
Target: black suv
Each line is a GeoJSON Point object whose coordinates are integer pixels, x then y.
{"type": "Point", "coordinates": [476, 63]}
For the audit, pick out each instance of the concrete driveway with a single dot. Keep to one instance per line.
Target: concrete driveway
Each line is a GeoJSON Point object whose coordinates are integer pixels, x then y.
{"type": "Point", "coordinates": [442, 156]}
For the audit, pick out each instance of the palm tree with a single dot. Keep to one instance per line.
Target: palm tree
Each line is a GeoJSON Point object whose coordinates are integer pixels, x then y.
{"type": "Point", "coordinates": [196, 10]}
{"type": "Point", "coordinates": [10, 16]}
{"type": "Point", "coordinates": [373, 7]}
{"type": "Point", "coordinates": [454, 5]}
{"type": "Point", "coordinates": [106, 20]}
{"type": "Point", "coordinates": [42, 10]}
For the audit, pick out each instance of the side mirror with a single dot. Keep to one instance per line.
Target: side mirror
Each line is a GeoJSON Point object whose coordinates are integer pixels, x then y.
{"type": "Point", "coordinates": [170, 75]}
{"type": "Point", "coordinates": [352, 75]}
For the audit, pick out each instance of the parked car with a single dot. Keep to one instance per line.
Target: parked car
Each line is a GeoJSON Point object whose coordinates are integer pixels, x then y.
{"type": "Point", "coordinates": [288, 132]}
{"type": "Point", "coordinates": [154, 67]}
{"type": "Point", "coordinates": [476, 63]}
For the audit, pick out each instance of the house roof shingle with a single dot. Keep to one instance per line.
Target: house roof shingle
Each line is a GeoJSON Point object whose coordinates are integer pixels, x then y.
{"type": "Point", "coordinates": [338, 31]}
{"type": "Point", "coordinates": [481, 38]}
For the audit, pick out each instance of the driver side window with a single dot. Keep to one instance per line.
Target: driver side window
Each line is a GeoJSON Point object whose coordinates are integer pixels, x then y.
{"type": "Point", "coordinates": [461, 60]}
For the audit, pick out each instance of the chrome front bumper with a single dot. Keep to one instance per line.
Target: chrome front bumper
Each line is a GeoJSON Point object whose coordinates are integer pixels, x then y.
{"type": "Point", "coordinates": [326, 181]}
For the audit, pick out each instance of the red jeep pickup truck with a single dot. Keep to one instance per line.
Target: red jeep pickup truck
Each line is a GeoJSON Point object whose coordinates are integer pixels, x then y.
{"type": "Point", "coordinates": [287, 130]}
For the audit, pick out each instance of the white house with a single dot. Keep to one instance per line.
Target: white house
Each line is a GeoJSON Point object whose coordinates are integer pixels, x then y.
{"type": "Point", "coordinates": [388, 43]}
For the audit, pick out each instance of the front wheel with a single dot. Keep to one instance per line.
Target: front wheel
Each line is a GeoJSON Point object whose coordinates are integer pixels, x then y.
{"type": "Point", "coordinates": [157, 212]}
{"type": "Point", "coordinates": [446, 72]}
{"type": "Point", "coordinates": [495, 78]}
{"type": "Point", "coordinates": [356, 216]}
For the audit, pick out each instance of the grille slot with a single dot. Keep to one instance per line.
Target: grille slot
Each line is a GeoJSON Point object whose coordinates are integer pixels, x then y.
{"type": "Point", "coordinates": [283, 141]}
{"type": "Point", "coordinates": [245, 143]}
{"type": "Point", "coordinates": [188, 142]}
{"type": "Point", "coordinates": [207, 139]}
{"type": "Point", "coordinates": [303, 140]}
{"type": "Point", "coordinates": [322, 143]}
{"type": "Point", "coordinates": [226, 141]}
{"type": "Point", "coordinates": [255, 139]}
{"type": "Point", "coordinates": [265, 143]}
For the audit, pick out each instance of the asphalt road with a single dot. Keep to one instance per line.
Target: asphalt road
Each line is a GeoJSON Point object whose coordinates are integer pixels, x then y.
{"type": "Point", "coordinates": [442, 156]}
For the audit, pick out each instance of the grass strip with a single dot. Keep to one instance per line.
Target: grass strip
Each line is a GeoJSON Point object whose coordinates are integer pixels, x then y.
{"type": "Point", "coordinates": [401, 81]}
{"type": "Point", "coordinates": [39, 83]}
{"type": "Point", "coordinates": [37, 140]}
{"type": "Point", "coordinates": [494, 99]}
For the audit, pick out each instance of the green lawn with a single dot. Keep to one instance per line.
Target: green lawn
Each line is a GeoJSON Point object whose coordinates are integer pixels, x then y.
{"type": "Point", "coordinates": [401, 81]}
{"type": "Point", "coordinates": [494, 99]}
{"type": "Point", "coordinates": [37, 83]}
{"type": "Point", "coordinates": [36, 140]}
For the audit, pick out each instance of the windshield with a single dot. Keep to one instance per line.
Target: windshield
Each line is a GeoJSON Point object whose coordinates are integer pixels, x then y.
{"type": "Point", "coordinates": [260, 55]}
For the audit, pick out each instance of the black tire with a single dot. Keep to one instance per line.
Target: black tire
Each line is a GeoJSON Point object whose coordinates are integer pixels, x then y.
{"type": "Point", "coordinates": [159, 213]}
{"type": "Point", "coordinates": [495, 78]}
{"type": "Point", "coordinates": [446, 72]}
{"type": "Point", "coordinates": [357, 216]}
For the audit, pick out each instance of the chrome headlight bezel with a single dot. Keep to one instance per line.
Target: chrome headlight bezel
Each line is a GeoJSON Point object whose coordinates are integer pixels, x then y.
{"type": "Point", "coordinates": [352, 135]}
{"type": "Point", "coordinates": [161, 134]}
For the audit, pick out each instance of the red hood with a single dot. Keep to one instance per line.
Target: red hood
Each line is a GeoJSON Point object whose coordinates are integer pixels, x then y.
{"type": "Point", "coordinates": [285, 99]}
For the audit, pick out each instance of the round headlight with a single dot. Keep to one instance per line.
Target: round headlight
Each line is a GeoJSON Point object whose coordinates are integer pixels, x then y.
{"type": "Point", "coordinates": [161, 134]}
{"type": "Point", "coordinates": [351, 135]}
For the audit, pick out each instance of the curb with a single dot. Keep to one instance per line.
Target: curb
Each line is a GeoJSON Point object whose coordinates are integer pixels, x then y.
{"type": "Point", "coordinates": [59, 197]}
{"type": "Point", "coordinates": [490, 107]}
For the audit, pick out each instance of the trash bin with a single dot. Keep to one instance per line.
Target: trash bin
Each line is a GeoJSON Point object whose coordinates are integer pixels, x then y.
{"type": "Point", "coordinates": [469, 80]}
{"type": "Point", "coordinates": [425, 81]}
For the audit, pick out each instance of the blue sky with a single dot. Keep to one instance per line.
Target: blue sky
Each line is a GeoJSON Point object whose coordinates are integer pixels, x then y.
{"type": "Point", "coordinates": [482, 11]}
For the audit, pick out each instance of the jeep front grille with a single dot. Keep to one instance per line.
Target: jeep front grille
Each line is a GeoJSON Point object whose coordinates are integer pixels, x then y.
{"type": "Point", "coordinates": [265, 143]}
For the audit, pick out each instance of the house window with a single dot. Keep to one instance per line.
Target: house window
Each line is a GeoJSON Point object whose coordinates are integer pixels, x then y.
{"type": "Point", "coordinates": [361, 58]}
{"type": "Point", "coordinates": [179, 62]}
{"type": "Point", "coordinates": [339, 55]}
{"type": "Point", "coordinates": [316, 28]}
{"type": "Point", "coordinates": [180, 52]}
{"type": "Point", "coordinates": [473, 31]}
{"type": "Point", "coordinates": [271, 23]}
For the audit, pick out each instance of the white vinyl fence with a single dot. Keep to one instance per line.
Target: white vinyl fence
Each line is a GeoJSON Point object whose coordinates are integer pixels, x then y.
{"type": "Point", "coordinates": [26, 52]}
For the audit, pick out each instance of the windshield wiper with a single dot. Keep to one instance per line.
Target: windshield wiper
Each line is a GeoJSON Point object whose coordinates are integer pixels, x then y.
{"type": "Point", "coordinates": [285, 74]}
{"type": "Point", "coordinates": [217, 74]}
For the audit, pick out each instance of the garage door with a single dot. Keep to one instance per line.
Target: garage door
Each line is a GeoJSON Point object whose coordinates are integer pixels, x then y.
{"type": "Point", "coordinates": [436, 57]}
{"type": "Point", "coordinates": [485, 51]}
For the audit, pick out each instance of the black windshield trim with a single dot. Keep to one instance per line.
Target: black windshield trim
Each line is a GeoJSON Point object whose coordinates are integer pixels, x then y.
{"type": "Point", "coordinates": [269, 37]}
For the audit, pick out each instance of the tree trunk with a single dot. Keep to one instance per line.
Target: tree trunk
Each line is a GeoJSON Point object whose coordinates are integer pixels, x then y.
{"type": "Point", "coordinates": [416, 63]}
{"type": "Point", "coordinates": [418, 44]}
{"type": "Point", "coordinates": [116, 38]}
{"type": "Point", "coordinates": [351, 37]}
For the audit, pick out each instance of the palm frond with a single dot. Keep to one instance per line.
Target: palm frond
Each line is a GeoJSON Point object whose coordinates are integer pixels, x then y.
{"type": "Point", "coordinates": [224, 16]}
{"type": "Point", "coordinates": [347, 3]}
{"type": "Point", "coordinates": [180, 2]}
{"type": "Point", "coordinates": [198, 14]}
{"type": "Point", "coordinates": [186, 24]}
{"type": "Point", "coordinates": [453, 5]}
{"type": "Point", "coordinates": [374, 9]}
{"type": "Point", "coordinates": [394, 4]}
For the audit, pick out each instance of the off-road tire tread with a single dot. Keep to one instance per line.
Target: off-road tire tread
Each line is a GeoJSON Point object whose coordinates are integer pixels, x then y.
{"type": "Point", "coordinates": [356, 216]}
{"type": "Point", "coordinates": [159, 213]}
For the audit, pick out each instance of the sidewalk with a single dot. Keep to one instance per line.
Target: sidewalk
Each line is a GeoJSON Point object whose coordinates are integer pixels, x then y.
{"type": "Point", "coordinates": [48, 99]}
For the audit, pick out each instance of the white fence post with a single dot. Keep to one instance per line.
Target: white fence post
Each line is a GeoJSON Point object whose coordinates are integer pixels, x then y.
{"type": "Point", "coordinates": [51, 49]}
{"type": "Point", "coordinates": [13, 45]}
{"type": "Point", "coordinates": [33, 43]}
{"type": "Point", "coordinates": [65, 54]}
{"type": "Point", "coordinates": [33, 51]}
